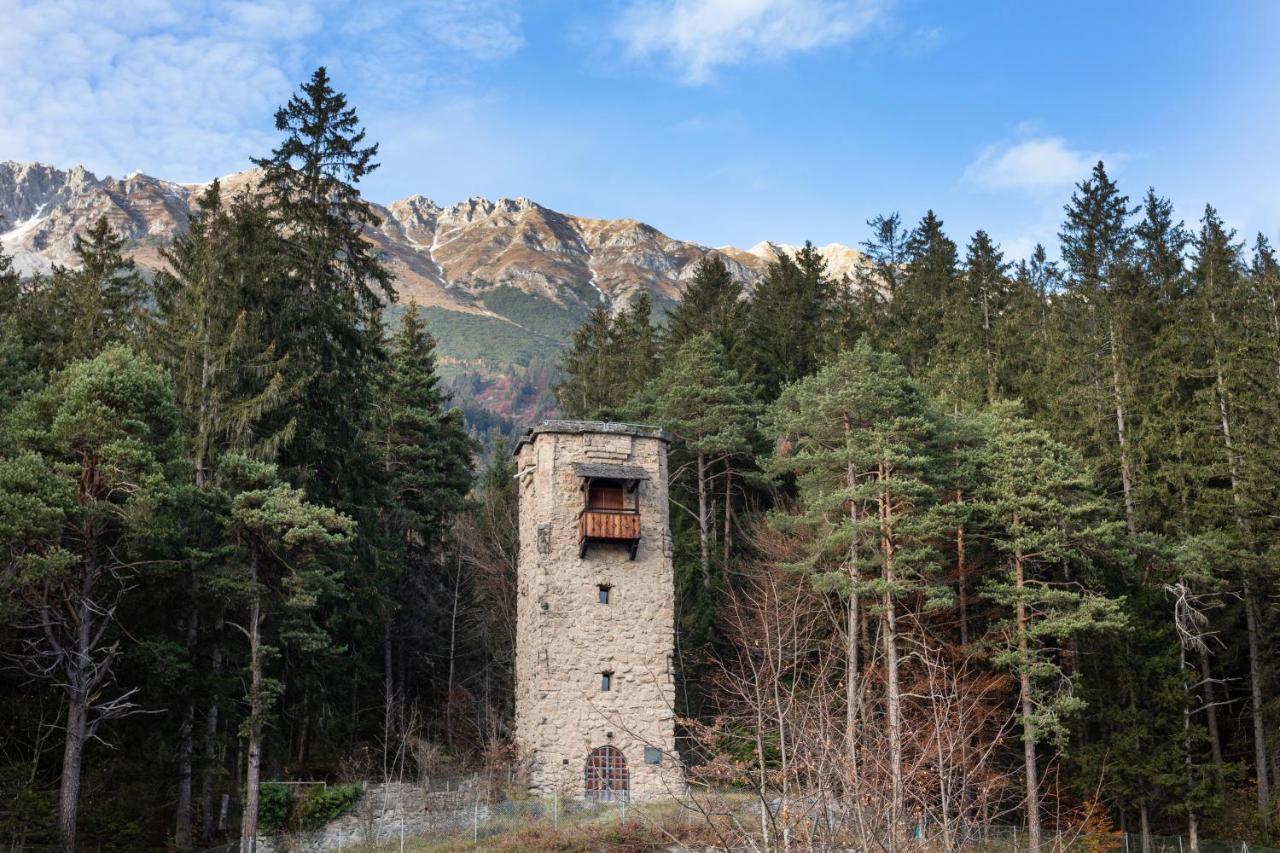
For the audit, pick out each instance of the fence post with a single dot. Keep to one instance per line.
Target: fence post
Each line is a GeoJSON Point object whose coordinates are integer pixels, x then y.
{"type": "Point", "coordinates": [475, 820]}
{"type": "Point", "coordinates": [401, 833]}
{"type": "Point", "coordinates": [555, 807]}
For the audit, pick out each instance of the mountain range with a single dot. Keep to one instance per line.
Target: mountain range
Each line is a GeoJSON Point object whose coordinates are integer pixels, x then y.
{"type": "Point", "coordinates": [502, 282]}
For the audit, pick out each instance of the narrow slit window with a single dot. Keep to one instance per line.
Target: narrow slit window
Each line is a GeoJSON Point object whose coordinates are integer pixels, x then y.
{"type": "Point", "coordinates": [604, 590]}
{"type": "Point", "coordinates": [606, 682]}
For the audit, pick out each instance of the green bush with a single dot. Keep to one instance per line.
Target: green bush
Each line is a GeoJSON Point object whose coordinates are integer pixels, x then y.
{"type": "Point", "coordinates": [324, 804]}
{"type": "Point", "coordinates": [275, 803]}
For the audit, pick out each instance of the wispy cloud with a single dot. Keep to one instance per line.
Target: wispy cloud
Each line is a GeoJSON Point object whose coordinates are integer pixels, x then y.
{"type": "Point", "coordinates": [698, 37]}
{"type": "Point", "coordinates": [185, 89]}
{"type": "Point", "coordinates": [1036, 163]}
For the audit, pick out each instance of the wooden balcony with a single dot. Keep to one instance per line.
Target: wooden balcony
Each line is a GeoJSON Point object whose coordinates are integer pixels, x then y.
{"type": "Point", "coordinates": [608, 525]}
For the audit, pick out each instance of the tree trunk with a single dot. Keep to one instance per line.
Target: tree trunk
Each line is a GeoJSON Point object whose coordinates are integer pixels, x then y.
{"type": "Point", "coordinates": [1211, 709]}
{"type": "Point", "coordinates": [186, 749]}
{"type": "Point", "coordinates": [253, 762]}
{"type": "Point", "coordinates": [72, 755]}
{"type": "Point", "coordinates": [1255, 697]}
{"type": "Point", "coordinates": [1028, 724]}
{"type": "Point", "coordinates": [703, 523]}
{"type": "Point", "coordinates": [890, 633]}
{"type": "Point", "coordinates": [453, 645]}
{"type": "Point", "coordinates": [211, 753]}
{"type": "Point", "coordinates": [388, 699]}
{"type": "Point", "coordinates": [728, 512]}
{"type": "Point", "coordinates": [1250, 604]}
{"type": "Point", "coordinates": [1144, 825]}
{"type": "Point", "coordinates": [1122, 436]}
{"type": "Point", "coordinates": [962, 578]}
{"type": "Point", "coordinates": [186, 737]}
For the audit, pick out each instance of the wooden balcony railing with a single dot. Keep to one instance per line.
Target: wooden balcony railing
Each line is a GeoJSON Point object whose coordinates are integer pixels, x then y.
{"type": "Point", "coordinates": [619, 525]}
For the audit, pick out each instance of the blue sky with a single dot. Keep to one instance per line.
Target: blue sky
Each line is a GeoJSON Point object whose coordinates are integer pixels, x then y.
{"type": "Point", "coordinates": [720, 121]}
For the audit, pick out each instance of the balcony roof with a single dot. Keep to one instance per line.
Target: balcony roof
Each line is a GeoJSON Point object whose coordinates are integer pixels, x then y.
{"type": "Point", "coordinates": [599, 427]}
{"type": "Point", "coordinates": [606, 471]}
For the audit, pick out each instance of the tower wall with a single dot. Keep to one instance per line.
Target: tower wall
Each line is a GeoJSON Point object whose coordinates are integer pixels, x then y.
{"type": "Point", "coordinates": [565, 638]}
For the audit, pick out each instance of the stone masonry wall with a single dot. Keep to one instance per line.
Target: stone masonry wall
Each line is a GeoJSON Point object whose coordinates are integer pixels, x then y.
{"type": "Point", "coordinates": [565, 638]}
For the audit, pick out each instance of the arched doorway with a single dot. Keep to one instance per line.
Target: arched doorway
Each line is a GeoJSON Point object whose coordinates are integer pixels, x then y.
{"type": "Point", "coordinates": [607, 777]}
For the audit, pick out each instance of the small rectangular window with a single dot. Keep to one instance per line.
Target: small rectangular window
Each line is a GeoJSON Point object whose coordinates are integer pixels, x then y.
{"type": "Point", "coordinates": [604, 593]}
{"type": "Point", "coordinates": [606, 682]}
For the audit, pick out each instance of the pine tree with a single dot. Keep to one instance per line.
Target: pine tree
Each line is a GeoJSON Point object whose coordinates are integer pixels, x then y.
{"type": "Point", "coordinates": [280, 578]}
{"type": "Point", "coordinates": [1039, 503]}
{"type": "Point", "coordinates": [83, 485]}
{"type": "Point", "coordinates": [860, 438]}
{"type": "Point", "coordinates": [711, 414]}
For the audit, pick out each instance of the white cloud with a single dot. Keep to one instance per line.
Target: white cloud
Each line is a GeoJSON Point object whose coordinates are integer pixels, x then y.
{"type": "Point", "coordinates": [696, 37]}
{"type": "Point", "coordinates": [185, 89]}
{"type": "Point", "coordinates": [1039, 163]}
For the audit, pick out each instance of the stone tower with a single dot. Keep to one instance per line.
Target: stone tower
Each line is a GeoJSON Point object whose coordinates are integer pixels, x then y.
{"type": "Point", "coordinates": [595, 608]}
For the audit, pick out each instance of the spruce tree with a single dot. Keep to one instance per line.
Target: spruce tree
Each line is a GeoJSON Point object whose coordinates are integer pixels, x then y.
{"type": "Point", "coordinates": [1237, 369]}
{"type": "Point", "coordinates": [711, 302]}
{"type": "Point", "coordinates": [329, 321]}
{"type": "Point", "coordinates": [967, 364]}
{"type": "Point", "coordinates": [928, 286]}
{"type": "Point", "coordinates": [98, 302]}
{"type": "Point", "coordinates": [609, 360]}
{"type": "Point", "coordinates": [206, 328]}
{"type": "Point", "coordinates": [1100, 408]}
{"type": "Point", "coordinates": [790, 320]}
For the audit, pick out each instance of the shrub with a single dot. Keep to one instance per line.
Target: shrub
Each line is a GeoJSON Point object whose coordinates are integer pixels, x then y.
{"type": "Point", "coordinates": [324, 804]}
{"type": "Point", "coordinates": [275, 803]}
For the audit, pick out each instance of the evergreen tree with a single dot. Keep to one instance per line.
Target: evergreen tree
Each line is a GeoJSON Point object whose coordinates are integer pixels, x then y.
{"type": "Point", "coordinates": [860, 438]}
{"type": "Point", "coordinates": [17, 356]}
{"type": "Point", "coordinates": [1038, 500]}
{"type": "Point", "coordinates": [790, 320]}
{"type": "Point", "coordinates": [712, 302]}
{"type": "Point", "coordinates": [710, 414]}
{"type": "Point", "coordinates": [206, 329]}
{"type": "Point", "coordinates": [425, 454]}
{"type": "Point", "coordinates": [281, 578]}
{"type": "Point", "coordinates": [328, 323]}
{"type": "Point", "coordinates": [967, 364]}
{"type": "Point", "coordinates": [1237, 370]}
{"type": "Point", "coordinates": [928, 286]}
{"type": "Point", "coordinates": [97, 303]}
{"type": "Point", "coordinates": [84, 480]}
{"type": "Point", "coordinates": [1099, 411]}
{"type": "Point", "coordinates": [609, 360]}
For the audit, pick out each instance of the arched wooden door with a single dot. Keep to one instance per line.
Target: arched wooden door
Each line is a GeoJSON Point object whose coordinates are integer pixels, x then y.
{"type": "Point", "coordinates": [607, 777]}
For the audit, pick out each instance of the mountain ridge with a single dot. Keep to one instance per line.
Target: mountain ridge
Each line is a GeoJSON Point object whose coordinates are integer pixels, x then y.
{"type": "Point", "coordinates": [507, 260]}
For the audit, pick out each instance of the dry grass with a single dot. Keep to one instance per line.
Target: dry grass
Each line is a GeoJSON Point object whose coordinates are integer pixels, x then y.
{"type": "Point", "coordinates": [647, 827]}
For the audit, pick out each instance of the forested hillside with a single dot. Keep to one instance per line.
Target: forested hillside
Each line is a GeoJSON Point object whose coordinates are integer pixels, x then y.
{"type": "Point", "coordinates": [960, 539]}
{"type": "Point", "coordinates": [975, 539]}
